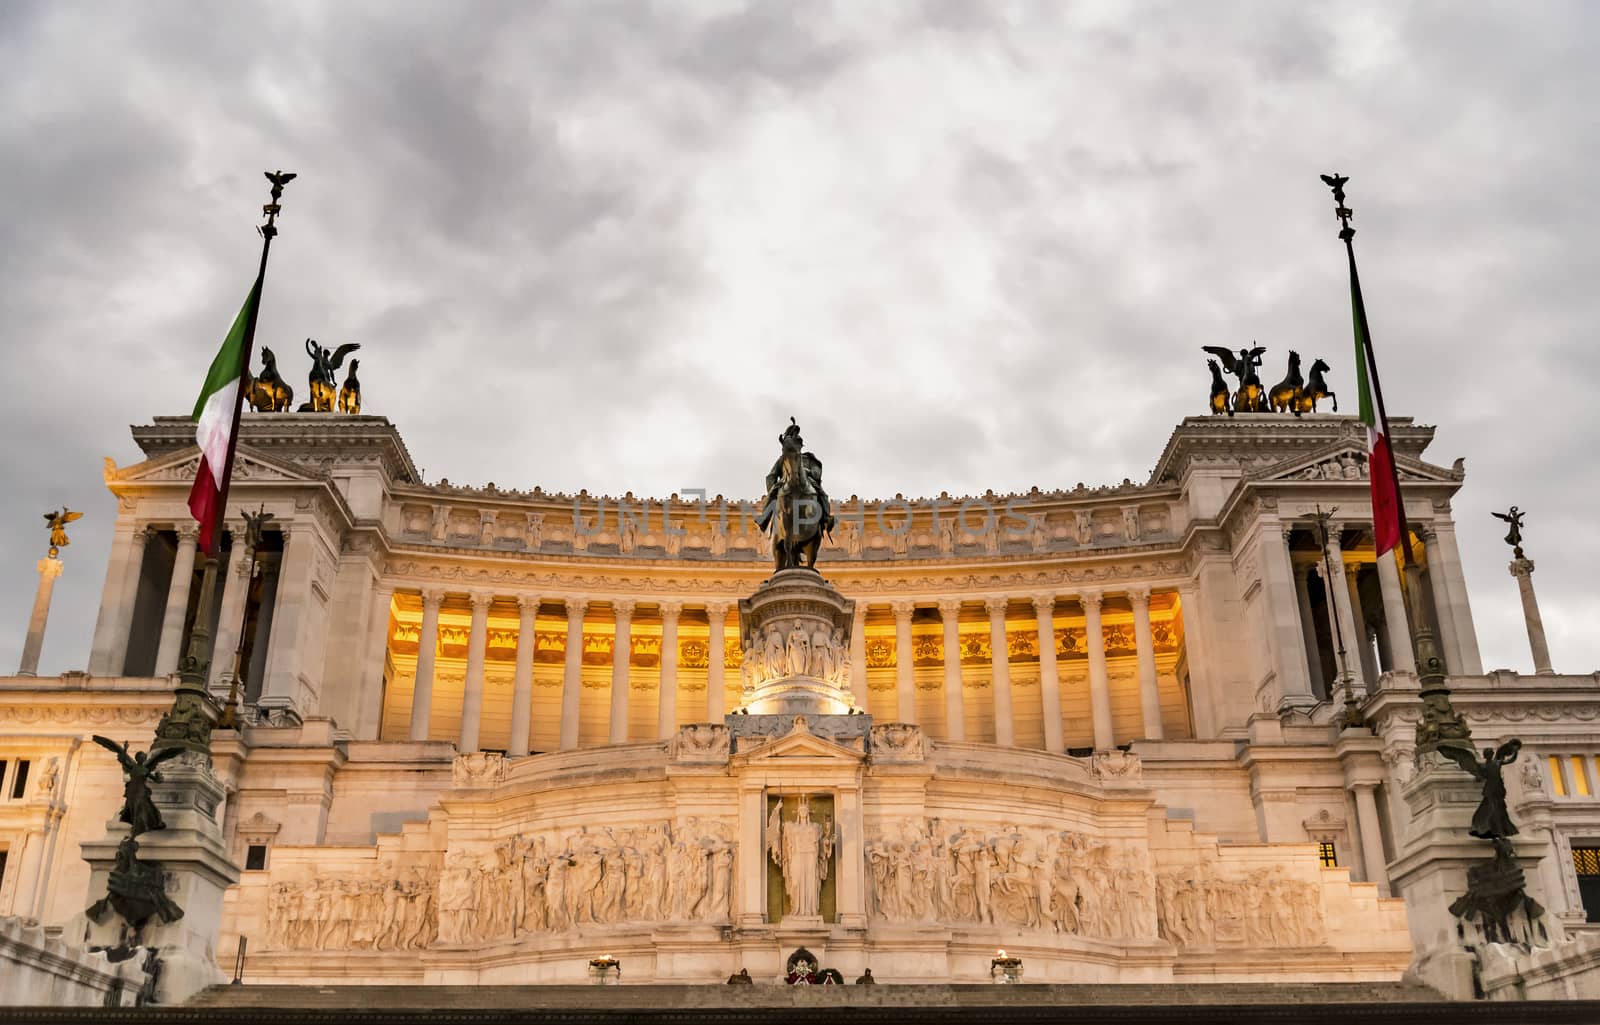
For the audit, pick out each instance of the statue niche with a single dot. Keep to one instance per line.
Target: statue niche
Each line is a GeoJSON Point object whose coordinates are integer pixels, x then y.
{"type": "Point", "coordinates": [801, 863]}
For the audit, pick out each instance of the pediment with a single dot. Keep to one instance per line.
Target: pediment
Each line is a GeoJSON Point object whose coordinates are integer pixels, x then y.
{"type": "Point", "coordinates": [181, 467]}
{"type": "Point", "coordinates": [1344, 461]}
{"type": "Point", "coordinates": [800, 745]}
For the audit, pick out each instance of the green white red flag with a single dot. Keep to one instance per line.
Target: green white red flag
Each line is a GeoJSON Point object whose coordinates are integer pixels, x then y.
{"type": "Point", "coordinates": [1388, 514]}
{"type": "Point", "coordinates": [216, 415]}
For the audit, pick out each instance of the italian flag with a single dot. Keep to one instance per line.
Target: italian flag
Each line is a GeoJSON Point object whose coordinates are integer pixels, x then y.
{"type": "Point", "coordinates": [216, 416]}
{"type": "Point", "coordinates": [1388, 515]}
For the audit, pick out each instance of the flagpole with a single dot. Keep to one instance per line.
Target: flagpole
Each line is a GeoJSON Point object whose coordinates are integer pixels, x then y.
{"type": "Point", "coordinates": [188, 722]}
{"type": "Point", "coordinates": [1441, 725]}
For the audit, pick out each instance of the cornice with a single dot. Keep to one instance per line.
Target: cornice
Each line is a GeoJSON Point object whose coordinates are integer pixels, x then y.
{"type": "Point", "coordinates": [1266, 438]}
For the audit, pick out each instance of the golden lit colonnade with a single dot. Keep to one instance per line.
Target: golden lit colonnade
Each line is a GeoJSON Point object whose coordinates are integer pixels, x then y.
{"type": "Point", "coordinates": [498, 672]}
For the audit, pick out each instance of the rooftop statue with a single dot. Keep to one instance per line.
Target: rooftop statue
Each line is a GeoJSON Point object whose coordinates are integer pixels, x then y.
{"type": "Point", "coordinates": [324, 392]}
{"type": "Point", "coordinates": [268, 392]}
{"type": "Point", "coordinates": [796, 508]}
{"type": "Point", "coordinates": [1251, 396]}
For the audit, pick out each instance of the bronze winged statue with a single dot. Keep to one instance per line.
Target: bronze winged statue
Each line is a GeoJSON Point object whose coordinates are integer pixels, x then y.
{"type": "Point", "coordinates": [56, 522]}
{"type": "Point", "coordinates": [1514, 535]}
{"type": "Point", "coordinates": [1251, 396]}
{"type": "Point", "coordinates": [324, 390]}
{"type": "Point", "coordinates": [138, 810]}
{"type": "Point", "coordinates": [1491, 821]}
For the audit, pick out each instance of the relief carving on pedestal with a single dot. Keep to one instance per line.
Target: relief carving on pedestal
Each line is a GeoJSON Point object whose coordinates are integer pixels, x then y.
{"type": "Point", "coordinates": [1017, 876]}
{"type": "Point", "coordinates": [352, 914]}
{"type": "Point", "coordinates": [1264, 908]}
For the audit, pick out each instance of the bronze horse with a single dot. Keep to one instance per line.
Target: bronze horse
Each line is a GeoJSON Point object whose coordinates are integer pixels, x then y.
{"type": "Point", "coordinates": [268, 393]}
{"type": "Point", "coordinates": [797, 527]}
{"type": "Point", "coordinates": [1316, 388]}
{"type": "Point", "coordinates": [1285, 395]}
{"type": "Point", "coordinates": [350, 394]}
{"type": "Point", "coordinates": [1219, 389]}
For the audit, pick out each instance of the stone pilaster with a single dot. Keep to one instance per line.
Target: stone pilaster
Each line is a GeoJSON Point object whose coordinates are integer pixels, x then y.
{"type": "Point", "coordinates": [955, 716]}
{"type": "Point", "coordinates": [522, 680]}
{"type": "Point", "coordinates": [1286, 639]}
{"type": "Point", "coordinates": [369, 705]}
{"type": "Point", "coordinates": [472, 695]}
{"type": "Point", "coordinates": [427, 656]}
{"type": "Point", "coordinates": [572, 673]}
{"type": "Point", "coordinates": [171, 645]}
{"type": "Point", "coordinates": [621, 652]}
{"type": "Point", "coordinates": [1000, 661]}
{"type": "Point", "coordinates": [905, 683]}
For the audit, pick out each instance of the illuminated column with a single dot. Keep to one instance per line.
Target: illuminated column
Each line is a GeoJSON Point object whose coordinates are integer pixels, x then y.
{"type": "Point", "coordinates": [177, 603]}
{"type": "Point", "coordinates": [1308, 625]}
{"type": "Point", "coordinates": [522, 681]}
{"type": "Point", "coordinates": [1371, 839]}
{"type": "Point", "coordinates": [667, 705]}
{"type": "Point", "coordinates": [49, 570]}
{"type": "Point", "coordinates": [858, 655]}
{"type": "Point", "coordinates": [122, 623]}
{"type": "Point", "coordinates": [1099, 685]}
{"type": "Point", "coordinates": [1395, 623]}
{"type": "Point", "coordinates": [1439, 584]}
{"type": "Point", "coordinates": [717, 614]}
{"type": "Point", "coordinates": [621, 655]}
{"type": "Point", "coordinates": [955, 725]}
{"type": "Point", "coordinates": [905, 682]}
{"type": "Point", "coordinates": [230, 614]}
{"type": "Point", "coordinates": [1522, 569]}
{"type": "Point", "coordinates": [1144, 643]}
{"type": "Point", "coordinates": [427, 655]}
{"type": "Point", "coordinates": [472, 697]}
{"type": "Point", "coordinates": [572, 674]}
{"type": "Point", "coordinates": [1000, 660]}
{"type": "Point", "coordinates": [1044, 610]}
{"type": "Point", "coordinates": [1358, 616]}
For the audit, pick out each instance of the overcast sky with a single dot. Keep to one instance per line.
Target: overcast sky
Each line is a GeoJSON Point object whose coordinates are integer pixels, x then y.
{"type": "Point", "coordinates": [971, 245]}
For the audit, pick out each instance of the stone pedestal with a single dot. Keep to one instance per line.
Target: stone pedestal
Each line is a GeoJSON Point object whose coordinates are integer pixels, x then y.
{"type": "Point", "coordinates": [191, 853]}
{"type": "Point", "coordinates": [795, 630]}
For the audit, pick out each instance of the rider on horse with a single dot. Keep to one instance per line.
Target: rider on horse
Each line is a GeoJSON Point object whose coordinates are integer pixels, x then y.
{"type": "Point", "coordinates": [813, 468]}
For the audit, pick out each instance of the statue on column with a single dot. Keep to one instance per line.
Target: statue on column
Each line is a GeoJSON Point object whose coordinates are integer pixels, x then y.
{"type": "Point", "coordinates": [1514, 535]}
{"type": "Point", "coordinates": [56, 522]}
{"type": "Point", "coordinates": [801, 848]}
{"type": "Point", "coordinates": [796, 504]}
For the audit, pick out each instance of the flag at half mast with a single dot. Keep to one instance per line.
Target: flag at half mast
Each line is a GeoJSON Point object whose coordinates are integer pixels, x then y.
{"type": "Point", "coordinates": [1388, 514]}
{"type": "Point", "coordinates": [216, 416]}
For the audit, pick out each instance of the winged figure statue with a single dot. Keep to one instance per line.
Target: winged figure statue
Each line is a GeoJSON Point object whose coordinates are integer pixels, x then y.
{"type": "Point", "coordinates": [57, 524]}
{"type": "Point", "coordinates": [1251, 396]}
{"type": "Point", "coordinates": [138, 810]}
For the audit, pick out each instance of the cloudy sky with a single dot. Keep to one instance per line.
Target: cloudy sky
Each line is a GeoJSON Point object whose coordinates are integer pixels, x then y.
{"type": "Point", "coordinates": [972, 245]}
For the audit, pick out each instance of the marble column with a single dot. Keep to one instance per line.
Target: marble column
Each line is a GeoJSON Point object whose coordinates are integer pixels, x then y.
{"type": "Point", "coordinates": [369, 713]}
{"type": "Point", "coordinates": [1395, 625]}
{"type": "Point", "coordinates": [25, 896]}
{"type": "Point", "coordinates": [1144, 643]}
{"type": "Point", "coordinates": [127, 554]}
{"type": "Point", "coordinates": [1469, 663]}
{"type": "Point", "coordinates": [122, 624]}
{"type": "Point", "coordinates": [1099, 684]}
{"type": "Point", "coordinates": [716, 660]}
{"type": "Point", "coordinates": [858, 655]}
{"type": "Point", "coordinates": [667, 691]}
{"type": "Point", "coordinates": [1308, 626]}
{"type": "Point", "coordinates": [1371, 839]}
{"type": "Point", "coordinates": [905, 681]}
{"type": "Point", "coordinates": [955, 712]}
{"type": "Point", "coordinates": [1286, 639]}
{"type": "Point", "coordinates": [230, 615]}
{"type": "Point", "coordinates": [472, 694]}
{"type": "Point", "coordinates": [291, 606]}
{"type": "Point", "coordinates": [1000, 661]}
{"type": "Point", "coordinates": [621, 655]}
{"type": "Point", "coordinates": [49, 570]}
{"type": "Point", "coordinates": [572, 674]}
{"type": "Point", "coordinates": [522, 679]}
{"type": "Point", "coordinates": [1363, 639]}
{"type": "Point", "coordinates": [427, 655]}
{"type": "Point", "coordinates": [1341, 662]}
{"type": "Point", "coordinates": [1439, 587]}
{"type": "Point", "coordinates": [1339, 596]}
{"type": "Point", "coordinates": [1522, 569]}
{"type": "Point", "coordinates": [171, 646]}
{"type": "Point", "coordinates": [1044, 611]}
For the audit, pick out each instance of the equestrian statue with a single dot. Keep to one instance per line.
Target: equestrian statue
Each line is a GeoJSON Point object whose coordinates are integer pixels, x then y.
{"type": "Point", "coordinates": [324, 392]}
{"type": "Point", "coordinates": [796, 507]}
{"type": "Point", "coordinates": [1251, 396]}
{"type": "Point", "coordinates": [268, 392]}
{"type": "Point", "coordinates": [1316, 388]}
{"type": "Point", "coordinates": [1285, 395]}
{"type": "Point", "coordinates": [1219, 391]}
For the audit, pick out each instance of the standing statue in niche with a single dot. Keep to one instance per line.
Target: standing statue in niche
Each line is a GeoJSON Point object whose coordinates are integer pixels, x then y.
{"type": "Point", "coordinates": [796, 505]}
{"type": "Point", "coordinates": [138, 810]}
{"type": "Point", "coordinates": [801, 848]}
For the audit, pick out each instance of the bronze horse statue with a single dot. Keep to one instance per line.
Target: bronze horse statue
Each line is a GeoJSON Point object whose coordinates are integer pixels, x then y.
{"type": "Point", "coordinates": [797, 521]}
{"type": "Point", "coordinates": [1252, 395]}
{"type": "Point", "coordinates": [350, 394]}
{"type": "Point", "coordinates": [1219, 390]}
{"type": "Point", "coordinates": [1285, 395]}
{"type": "Point", "coordinates": [1316, 388]}
{"type": "Point", "coordinates": [268, 393]}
